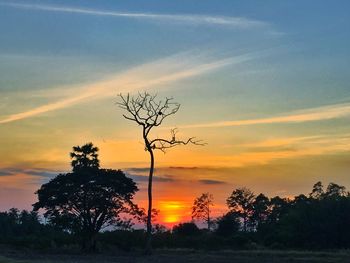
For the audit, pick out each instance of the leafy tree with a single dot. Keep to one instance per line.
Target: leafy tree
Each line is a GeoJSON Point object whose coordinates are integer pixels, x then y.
{"type": "Point", "coordinates": [335, 190]}
{"type": "Point", "coordinates": [241, 202]}
{"type": "Point", "coordinates": [87, 199]}
{"type": "Point", "coordinates": [146, 111]}
{"type": "Point", "coordinates": [317, 191]}
{"type": "Point", "coordinates": [278, 207]}
{"type": "Point", "coordinates": [201, 208]}
{"type": "Point", "coordinates": [228, 224]}
{"type": "Point", "coordinates": [260, 210]}
{"type": "Point", "coordinates": [85, 157]}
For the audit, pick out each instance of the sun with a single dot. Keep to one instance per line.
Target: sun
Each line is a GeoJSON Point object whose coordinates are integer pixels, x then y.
{"type": "Point", "coordinates": [171, 219]}
{"type": "Point", "coordinates": [172, 212]}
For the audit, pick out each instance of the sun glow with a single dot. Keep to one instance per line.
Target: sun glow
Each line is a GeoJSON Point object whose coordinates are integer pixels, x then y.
{"type": "Point", "coordinates": [172, 212]}
{"type": "Point", "coordinates": [170, 219]}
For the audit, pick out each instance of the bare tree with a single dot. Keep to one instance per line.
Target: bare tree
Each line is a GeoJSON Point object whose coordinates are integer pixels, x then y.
{"type": "Point", "coordinates": [148, 112]}
{"type": "Point", "coordinates": [201, 208]}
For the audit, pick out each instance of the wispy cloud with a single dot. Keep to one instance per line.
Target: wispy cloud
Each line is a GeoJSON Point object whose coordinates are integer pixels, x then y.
{"type": "Point", "coordinates": [167, 70]}
{"type": "Point", "coordinates": [276, 149]}
{"type": "Point", "coordinates": [235, 22]}
{"type": "Point", "coordinates": [211, 182]}
{"type": "Point", "coordinates": [278, 142]}
{"type": "Point", "coordinates": [143, 178]}
{"type": "Point", "coordinates": [32, 172]}
{"type": "Point", "coordinates": [307, 115]}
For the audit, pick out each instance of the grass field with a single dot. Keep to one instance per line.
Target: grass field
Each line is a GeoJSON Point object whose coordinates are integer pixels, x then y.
{"type": "Point", "coordinates": [177, 256]}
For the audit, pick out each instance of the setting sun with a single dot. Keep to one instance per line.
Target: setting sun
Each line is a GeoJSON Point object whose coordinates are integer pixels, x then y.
{"type": "Point", "coordinates": [172, 212]}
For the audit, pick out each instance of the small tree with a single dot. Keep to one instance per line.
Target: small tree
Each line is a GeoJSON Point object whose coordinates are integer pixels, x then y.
{"type": "Point", "coordinates": [148, 112]}
{"type": "Point", "coordinates": [241, 202]}
{"type": "Point", "coordinates": [89, 198]}
{"type": "Point", "coordinates": [201, 208]}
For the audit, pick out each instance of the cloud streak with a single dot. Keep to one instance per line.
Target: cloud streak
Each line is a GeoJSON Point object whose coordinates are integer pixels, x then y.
{"type": "Point", "coordinates": [163, 71]}
{"type": "Point", "coordinates": [32, 172]}
{"type": "Point", "coordinates": [285, 148]}
{"type": "Point", "coordinates": [211, 182]}
{"type": "Point", "coordinates": [190, 19]}
{"type": "Point", "coordinates": [307, 115]}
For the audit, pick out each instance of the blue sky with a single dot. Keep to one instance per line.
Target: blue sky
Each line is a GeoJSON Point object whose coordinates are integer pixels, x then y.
{"type": "Point", "coordinates": [265, 83]}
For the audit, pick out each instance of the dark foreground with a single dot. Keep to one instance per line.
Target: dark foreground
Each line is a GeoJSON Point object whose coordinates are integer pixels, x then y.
{"type": "Point", "coordinates": [177, 256]}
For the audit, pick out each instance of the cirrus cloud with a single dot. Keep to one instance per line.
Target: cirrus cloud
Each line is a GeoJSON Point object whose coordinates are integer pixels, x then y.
{"type": "Point", "coordinates": [188, 19]}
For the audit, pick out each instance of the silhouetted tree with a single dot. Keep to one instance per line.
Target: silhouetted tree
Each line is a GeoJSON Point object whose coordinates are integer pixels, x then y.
{"type": "Point", "coordinates": [201, 208]}
{"type": "Point", "coordinates": [241, 202]}
{"type": "Point", "coordinates": [85, 157]}
{"type": "Point", "coordinates": [148, 112]}
{"type": "Point", "coordinates": [228, 224]}
{"type": "Point", "coordinates": [87, 199]}
{"type": "Point", "coordinates": [15, 223]}
{"type": "Point", "coordinates": [279, 207]}
{"type": "Point", "coordinates": [335, 190]}
{"type": "Point", "coordinates": [316, 222]}
{"type": "Point", "coordinates": [260, 210]}
{"type": "Point", "coordinates": [317, 191]}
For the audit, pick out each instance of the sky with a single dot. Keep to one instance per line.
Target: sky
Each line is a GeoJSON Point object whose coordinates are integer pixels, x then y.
{"type": "Point", "coordinates": [264, 83]}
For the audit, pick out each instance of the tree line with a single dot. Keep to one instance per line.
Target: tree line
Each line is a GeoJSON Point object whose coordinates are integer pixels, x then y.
{"type": "Point", "coordinates": [92, 207]}
{"type": "Point", "coordinates": [318, 220]}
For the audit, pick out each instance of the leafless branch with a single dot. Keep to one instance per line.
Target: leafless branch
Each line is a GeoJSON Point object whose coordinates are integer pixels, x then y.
{"type": "Point", "coordinates": [146, 111]}
{"type": "Point", "coordinates": [164, 144]}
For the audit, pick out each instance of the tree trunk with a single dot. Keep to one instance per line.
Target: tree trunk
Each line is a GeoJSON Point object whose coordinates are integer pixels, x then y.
{"type": "Point", "coordinates": [149, 213]}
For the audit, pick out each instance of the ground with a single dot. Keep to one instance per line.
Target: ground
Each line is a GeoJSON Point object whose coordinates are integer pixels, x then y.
{"type": "Point", "coordinates": [177, 256]}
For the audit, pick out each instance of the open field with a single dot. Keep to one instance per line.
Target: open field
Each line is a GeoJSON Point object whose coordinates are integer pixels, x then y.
{"type": "Point", "coordinates": [176, 256]}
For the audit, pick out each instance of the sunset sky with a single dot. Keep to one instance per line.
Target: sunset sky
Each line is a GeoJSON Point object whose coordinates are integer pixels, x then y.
{"type": "Point", "coordinates": [264, 83]}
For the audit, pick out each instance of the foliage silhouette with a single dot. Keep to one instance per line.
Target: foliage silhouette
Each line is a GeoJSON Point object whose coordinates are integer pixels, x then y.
{"type": "Point", "coordinates": [260, 211]}
{"type": "Point", "coordinates": [241, 202]}
{"type": "Point", "coordinates": [85, 157]}
{"type": "Point", "coordinates": [88, 199]}
{"type": "Point", "coordinates": [201, 208]}
{"type": "Point", "coordinates": [24, 229]}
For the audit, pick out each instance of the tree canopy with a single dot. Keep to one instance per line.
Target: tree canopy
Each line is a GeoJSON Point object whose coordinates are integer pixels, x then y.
{"type": "Point", "coordinates": [201, 208]}
{"type": "Point", "coordinates": [87, 199]}
{"type": "Point", "coordinates": [241, 202]}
